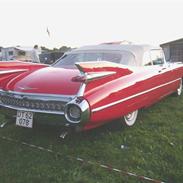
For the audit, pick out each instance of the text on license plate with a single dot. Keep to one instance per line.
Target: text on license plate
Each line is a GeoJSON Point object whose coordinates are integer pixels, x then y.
{"type": "Point", "coordinates": [24, 118]}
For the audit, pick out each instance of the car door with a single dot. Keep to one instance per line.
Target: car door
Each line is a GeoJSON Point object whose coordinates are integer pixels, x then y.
{"type": "Point", "coordinates": [166, 80]}
{"type": "Point", "coordinates": [160, 80]}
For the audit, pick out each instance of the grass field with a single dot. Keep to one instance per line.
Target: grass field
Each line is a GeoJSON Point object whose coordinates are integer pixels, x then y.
{"type": "Point", "coordinates": [154, 148]}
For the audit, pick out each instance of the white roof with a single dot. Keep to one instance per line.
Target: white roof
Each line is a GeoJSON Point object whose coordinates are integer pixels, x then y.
{"type": "Point", "coordinates": [136, 50]}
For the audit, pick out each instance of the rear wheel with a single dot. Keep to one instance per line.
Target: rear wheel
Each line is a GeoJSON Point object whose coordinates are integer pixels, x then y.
{"type": "Point", "coordinates": [130, 118]}
{"type": "Point", "coordinates": [179, 89]}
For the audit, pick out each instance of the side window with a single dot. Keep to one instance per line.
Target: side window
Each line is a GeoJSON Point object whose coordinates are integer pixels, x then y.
{"type": "Point", "coordinates": [147, 59]}
{"type": "Point", "coordinates": [157, 57]}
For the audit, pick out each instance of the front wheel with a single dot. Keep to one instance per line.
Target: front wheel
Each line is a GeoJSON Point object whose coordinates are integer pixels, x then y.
{"type": "Point", "coordinates": [179, 89]}
{"type": "Point", "coordinates": [130, 118]}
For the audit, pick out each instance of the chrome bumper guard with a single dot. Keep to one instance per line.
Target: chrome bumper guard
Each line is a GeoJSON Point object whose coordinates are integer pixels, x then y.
{"type": "Point", "coordinates": [42, 103]}
{"type": "Point", "coordinates": [45, 103]}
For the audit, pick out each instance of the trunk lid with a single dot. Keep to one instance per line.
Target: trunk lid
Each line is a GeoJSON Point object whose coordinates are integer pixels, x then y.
{"type": "Point", "coordinates": [47, 80]}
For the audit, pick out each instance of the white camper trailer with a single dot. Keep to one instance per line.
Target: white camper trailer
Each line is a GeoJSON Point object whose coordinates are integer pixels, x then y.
{"type": "Point", "coordinates": [20, 53]}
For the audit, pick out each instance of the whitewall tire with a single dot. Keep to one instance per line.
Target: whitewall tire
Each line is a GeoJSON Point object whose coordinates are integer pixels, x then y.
{"type": "Point", "coordinates": [179, 89]}
{"type": "Point", "coordinates": [130, 118]}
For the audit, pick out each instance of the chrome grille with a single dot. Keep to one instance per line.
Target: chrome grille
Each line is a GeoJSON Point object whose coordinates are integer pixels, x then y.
{"type": "Point", "coordinates": [18, 101]}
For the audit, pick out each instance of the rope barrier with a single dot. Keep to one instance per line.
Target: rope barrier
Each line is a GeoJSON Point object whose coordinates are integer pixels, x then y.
{"type": "Point", "coordinates": [104, 166]}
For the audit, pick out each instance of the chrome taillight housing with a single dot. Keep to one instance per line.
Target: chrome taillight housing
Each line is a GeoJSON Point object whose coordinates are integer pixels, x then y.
{"type": "Point", "coordinates": [77, 110]}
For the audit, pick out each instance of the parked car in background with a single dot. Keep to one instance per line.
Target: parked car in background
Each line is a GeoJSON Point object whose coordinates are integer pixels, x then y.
{"type": "Point", "coordinates": [89, 86]}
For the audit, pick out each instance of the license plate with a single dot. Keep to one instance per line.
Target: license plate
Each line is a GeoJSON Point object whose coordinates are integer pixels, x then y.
{"type": "Point", "coordinates": [24, 119]}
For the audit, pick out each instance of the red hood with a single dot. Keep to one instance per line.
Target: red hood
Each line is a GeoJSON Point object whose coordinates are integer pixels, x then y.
{"type": "Point", "coordinates": [48, 80]}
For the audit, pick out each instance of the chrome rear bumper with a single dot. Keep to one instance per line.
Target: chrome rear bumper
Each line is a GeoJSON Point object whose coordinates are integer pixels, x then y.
{"type": "Point", "coordinates": [41, 103]}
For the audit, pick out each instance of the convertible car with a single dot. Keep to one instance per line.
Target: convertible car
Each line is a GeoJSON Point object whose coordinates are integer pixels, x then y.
{"type": "Point", "coordinates": [89, 86]}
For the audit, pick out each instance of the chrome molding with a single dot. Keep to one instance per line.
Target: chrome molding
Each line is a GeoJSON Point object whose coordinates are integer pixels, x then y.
{"type": "Point", "coordinates": [84, 107]}
{"type": "Point", "coordinates": [12, 71]}
{"type": "Point", "coordinates": [81, 90]}
{"type": "Point", "coordinates": [90, 76]}
{"type": "Point", "coordinates": [32, 98]}
{"type": "Point", "coordinates": [96, 75]}
{"type": "Point", "coordinates": [79, 67]}
{"type": "Point", "coordinates": [33, 110]}
{"type": "Point", "coordinates": [133, 96]}
{"type": "Point", "coordinates": [41, 96]}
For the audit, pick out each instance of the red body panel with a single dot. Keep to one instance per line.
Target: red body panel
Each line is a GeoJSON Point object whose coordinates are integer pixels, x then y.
{"type": "Point", "coordinates": [109, 97]}
{"type": "Point", "coordinates": [46, 80]}
{"type": "Point", "coordinates": [139, 89]}
{"type": "Point", "coordinates": [39, 78]}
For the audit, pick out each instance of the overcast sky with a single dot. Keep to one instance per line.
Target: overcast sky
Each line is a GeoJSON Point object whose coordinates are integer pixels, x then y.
{"type": "Point", "coordinates": [82, 22]}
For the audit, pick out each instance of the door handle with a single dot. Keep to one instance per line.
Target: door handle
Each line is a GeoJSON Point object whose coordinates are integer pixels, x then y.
{"type": "Point", "coordinates": [162, 69]}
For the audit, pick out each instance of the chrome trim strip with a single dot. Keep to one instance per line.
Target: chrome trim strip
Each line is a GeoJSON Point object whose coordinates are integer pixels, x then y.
{"type": "Point", "coordinates": [81, 90]}
{"type": "Point", "coordinates": [32, 110]}
{"type": "Point", "coordinates": [12, 71]}
{"type": "Point", "coordinates": [79, 67]}
{"type": "Point", "coordinates": [96, 75]}
{"type": "Point", "coordinates": [40, 96]}
{"type": "Point", "coordinates": [82, 86]}
{"type": "Point", "coordinates": [133, 96]}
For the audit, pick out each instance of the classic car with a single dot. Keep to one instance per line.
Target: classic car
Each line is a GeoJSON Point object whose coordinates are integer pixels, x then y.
{"type": "Point", "coordinates": [89, 86]}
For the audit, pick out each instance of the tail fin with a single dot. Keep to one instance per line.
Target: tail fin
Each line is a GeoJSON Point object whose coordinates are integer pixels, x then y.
{"type": "Point", "coordinates": [8, 67]}
{"type": "Point", "coordinates": [95, 70]}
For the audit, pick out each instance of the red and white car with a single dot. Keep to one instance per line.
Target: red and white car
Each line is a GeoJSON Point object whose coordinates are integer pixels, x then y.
{"type": "Point", "coordinates": [89, 86]}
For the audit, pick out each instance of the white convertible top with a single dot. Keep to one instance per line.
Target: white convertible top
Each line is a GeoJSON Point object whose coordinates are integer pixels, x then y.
{"type": "Point", "coordinates": [136, 50]}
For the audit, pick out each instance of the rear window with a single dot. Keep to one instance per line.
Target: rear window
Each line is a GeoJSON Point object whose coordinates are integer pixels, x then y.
{"type": "Point", "coordinates": [115, 57]}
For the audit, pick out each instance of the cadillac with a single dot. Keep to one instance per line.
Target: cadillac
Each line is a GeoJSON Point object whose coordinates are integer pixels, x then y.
{"type": "Point", "coordinates": [89, 86]}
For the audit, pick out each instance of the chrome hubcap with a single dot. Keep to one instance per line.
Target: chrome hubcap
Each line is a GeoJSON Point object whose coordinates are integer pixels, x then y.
{"type": "Point", "coordinates": [179, 90]}
{"type": "Point", "coordinates": [131, 118]}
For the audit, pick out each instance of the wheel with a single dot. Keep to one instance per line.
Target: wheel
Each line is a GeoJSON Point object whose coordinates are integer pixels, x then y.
{"type": "Point", "coordinates": [179, 89]}
{"type": "Point", "coordinates": [130, 118]}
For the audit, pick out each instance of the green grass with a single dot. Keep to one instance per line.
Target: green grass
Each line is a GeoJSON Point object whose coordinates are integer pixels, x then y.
{"type": "Point", "coordinates": [154, 149]}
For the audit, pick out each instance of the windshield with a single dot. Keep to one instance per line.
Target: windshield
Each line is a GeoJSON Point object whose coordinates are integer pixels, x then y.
{"type": "Point", "coordinates": [70, 59]}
